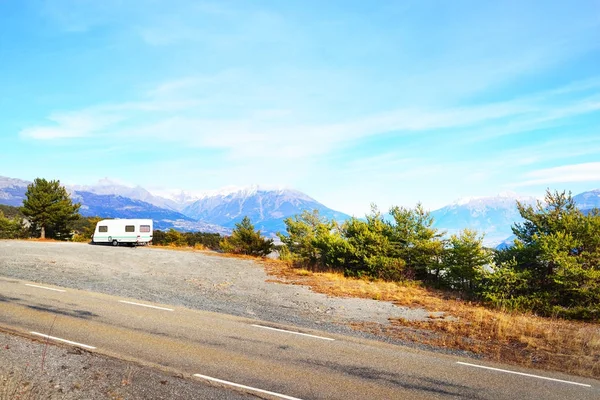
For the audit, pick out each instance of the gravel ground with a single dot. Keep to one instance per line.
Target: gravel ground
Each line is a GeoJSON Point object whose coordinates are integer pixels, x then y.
{"type": "Point", "coordinates": [191, 279]}
{"type": "Point", "coordinates": [69, 373]}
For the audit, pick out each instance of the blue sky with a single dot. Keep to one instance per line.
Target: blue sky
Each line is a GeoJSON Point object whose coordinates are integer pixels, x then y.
{"type": "Point", "coordinates": [352, 102]}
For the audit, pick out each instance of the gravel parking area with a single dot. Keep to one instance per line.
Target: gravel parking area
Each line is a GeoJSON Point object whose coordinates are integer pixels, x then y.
{"type": "Point", "coordinates": [195, 280]}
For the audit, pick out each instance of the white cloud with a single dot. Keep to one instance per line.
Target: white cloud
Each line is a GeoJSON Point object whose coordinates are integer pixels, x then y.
{"type": "Point", "coordinates": [186, 112]}
{"type": "Point", "coordinates": [70, 125]}
{"type": "Point", "coordinates": [585, 172]}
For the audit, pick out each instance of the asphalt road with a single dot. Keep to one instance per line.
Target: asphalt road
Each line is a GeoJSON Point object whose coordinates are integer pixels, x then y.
{"type": "Point", "coordinates": [227, 350]}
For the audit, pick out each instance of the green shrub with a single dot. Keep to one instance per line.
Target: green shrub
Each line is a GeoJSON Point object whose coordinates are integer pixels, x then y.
{"type": "Point", "coordinates": [80, 238]}
{"type": "Point", "coordinates": [245, 240]}
{"type": "Point", "coordinates": [12, 228]}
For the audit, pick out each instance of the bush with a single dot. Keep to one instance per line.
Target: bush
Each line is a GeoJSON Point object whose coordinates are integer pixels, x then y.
{"type": "Point", "coordinates": [159, 238]}
{"type": "Point", "coordinates": [245, 240]}
{"type": "Point", "coordinates": [197, 240]}
{"type": "Point", "coordinates": [203, 239]}
{"type": "Point", "coordinates": [84, 228]}
{"type": "Point", "coordinates": [80, 238]}
{"type": "Point", "coordinates": [12, 228]}
{"type": "Point", "coordinates": [386, 268]}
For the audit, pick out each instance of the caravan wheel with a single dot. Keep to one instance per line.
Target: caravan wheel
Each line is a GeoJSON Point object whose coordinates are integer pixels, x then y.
{"type": "Point", "coordinates": [115, 243]}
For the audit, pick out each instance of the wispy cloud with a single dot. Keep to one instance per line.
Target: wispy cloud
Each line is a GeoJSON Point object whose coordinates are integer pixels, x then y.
{"type": "Point", "coordinates": [585, 172]}
{"type": "Point", "coordinates": [167, 114]}
{"type": "Point", "coordinates": [71, 125]}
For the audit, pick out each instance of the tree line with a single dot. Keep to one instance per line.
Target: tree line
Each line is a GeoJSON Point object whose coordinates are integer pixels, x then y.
{"type": "Point", "coordinates": [553, 268]}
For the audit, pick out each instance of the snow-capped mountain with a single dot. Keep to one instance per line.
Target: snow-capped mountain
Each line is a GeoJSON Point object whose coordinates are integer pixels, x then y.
{"type": "Point", "coordinates": [207, 211]}
{"type": "Point", "coordinates": [12, 191]}
{"type": "Point", "coordinates": [588, 200]}
{"type": "Point", "coordinates": [6, 182]}
{"type": "Point", "coordinates": [110, 200]}
{"type": "Point", "coordinates": [113, 206]}
{"type": "Point", "coordinates": [109, 187]}
{"type": "Point", "coordinates": [493, 216]}
{"type": "Point", "coordinates": [266, 208]}
{"type": "Point", "coordinates": [183, 198]}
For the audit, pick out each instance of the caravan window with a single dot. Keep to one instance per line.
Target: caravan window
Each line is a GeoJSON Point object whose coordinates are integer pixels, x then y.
{"type": "Point", "coordinates": [129, 228]}
{"type": "Point", "coordinates": [103, 228]}
{"type": "Point", "coordinates": [144, 228]}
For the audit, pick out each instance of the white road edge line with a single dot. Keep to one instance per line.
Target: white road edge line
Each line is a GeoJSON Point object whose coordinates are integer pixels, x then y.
{"type": "Point", "coordinates": [523, 374]}
{"type": "Point", "coordinates": [145, 305]}
{"type": "Point", "coordinates": [282, 396]}
{"type": "Point", "coordinates": [63, 340]}
{"type": "Point", "coordinates": [44, 287]}
{"type": "Point", "coordinates": [295, 333]}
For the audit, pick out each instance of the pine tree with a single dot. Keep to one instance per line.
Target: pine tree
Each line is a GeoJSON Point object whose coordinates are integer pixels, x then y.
{"type": "Point", "coordinates": [245, 240]}
{"type": "Point", "coordinates": [11, 228]}
{"type": "Point", "coordinates": [557, 254]}
{"type": "Point", "coordinates": [464, 259]}
{"type": "Point", "coordinates": [49, 208]}
{"type": "Point", "coordinates": [417, 242]}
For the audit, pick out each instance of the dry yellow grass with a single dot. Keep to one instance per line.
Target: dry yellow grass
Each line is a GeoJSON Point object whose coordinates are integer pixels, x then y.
{"type": "Point", "coordinates": [197, 248]}
{"type": "Point", "coordinates": [516, 338]}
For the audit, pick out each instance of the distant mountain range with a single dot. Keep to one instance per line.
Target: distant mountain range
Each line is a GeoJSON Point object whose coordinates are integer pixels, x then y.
{"type": "Point", "coordinates": [496, 215]}
{"type": "Point", "coordinates": [110, 188]}
{"type": "Point", "coordinates": [492, 215]}
{"type": "Point", "coordinates": [215, 211]}
{"type": "Point", "coordinates": [219, 211]}
{"type": "Point", "coordinates": [266, 208]}
{"type": "Point", "coordinates": [588, 200]}
{"type": "Point", "coordinates": [116, 206]}
{"type": "Point", "coordinates": [12, 191]}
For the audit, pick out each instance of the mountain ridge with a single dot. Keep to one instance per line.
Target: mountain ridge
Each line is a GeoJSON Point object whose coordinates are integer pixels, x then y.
{"type": "Point", "coordinates": [266, 208]}
{"type": "Point", "coordinates": [492, 215]}
{"type": "Point", "coordinates": [213, 211]}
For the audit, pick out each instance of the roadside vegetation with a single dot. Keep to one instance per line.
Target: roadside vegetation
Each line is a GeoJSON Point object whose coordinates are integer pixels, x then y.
{"type": "Point", "coordinates": [244, 240]}
{"type": "Point", "coordinates": [196, 240]}
{"type": "Point", "coordinates": [552, 270]}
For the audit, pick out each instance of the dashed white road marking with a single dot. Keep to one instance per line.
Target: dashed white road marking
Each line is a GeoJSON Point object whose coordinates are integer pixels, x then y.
{"type": "Point", "coordinates": [146, 305]}
{"type": "Point", "coordinates": [295, 333]}
{"type": "Point", "coordinates": [63, 340]}
{"type": "Point", "coordinates": [523, 374]}
{"type": "Point", "coordinates": [281, 396]}
{"type": "Point", "coordinates": [45, 287]}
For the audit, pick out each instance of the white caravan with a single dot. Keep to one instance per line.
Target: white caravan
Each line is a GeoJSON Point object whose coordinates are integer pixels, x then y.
{"type": "Point", "coordinates": [130, 231]}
